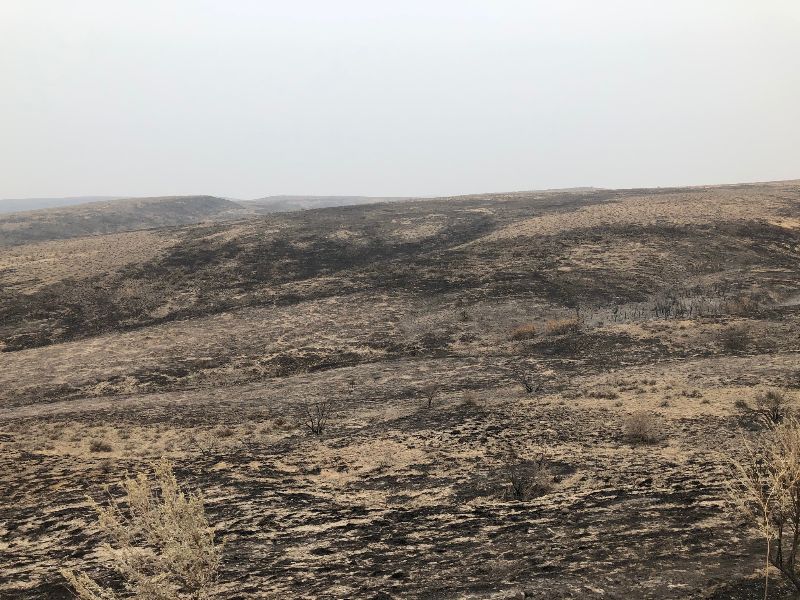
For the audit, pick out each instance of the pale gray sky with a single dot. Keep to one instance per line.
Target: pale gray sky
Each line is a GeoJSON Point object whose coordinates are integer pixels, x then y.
{"type": "Point", "coordinates": [250, 98]}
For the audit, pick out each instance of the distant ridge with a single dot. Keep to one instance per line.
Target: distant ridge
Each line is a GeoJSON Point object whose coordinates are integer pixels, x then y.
{"type": "Point", "coordinates": [112, 216]}
{"type": "Point", "coordinates": [23, 204]}
{"type": "Point", "coordinates": [293, 203]}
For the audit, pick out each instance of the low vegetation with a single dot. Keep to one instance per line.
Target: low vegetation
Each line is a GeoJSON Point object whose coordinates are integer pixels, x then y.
{"type": "Point", "coordinates": [159, 539]}
{"type": "Point", "coordinates": [526, 478]}
{"type": "Point", "coordinates": [766, 490]}
{"type": "Point", "coordinates": [643, 427]}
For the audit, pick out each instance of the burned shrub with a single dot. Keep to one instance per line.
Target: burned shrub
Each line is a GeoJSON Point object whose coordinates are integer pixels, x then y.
{"type": "Point", "coordinates": [431, 329]}
{"type": "Point", "coordinates": [315, 415]}
{"type": "Point", "coordinates": [526, 479]}
{"type": "Point", "coordinates": [528, 383]}
{"type": "Point", "coordinates": [744, 306]}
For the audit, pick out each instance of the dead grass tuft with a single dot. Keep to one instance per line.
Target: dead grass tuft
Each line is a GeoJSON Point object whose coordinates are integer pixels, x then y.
{"type": "Point", "coordinates": [526, 331]}
{"type": "Point", "coordinates": [562, 326]}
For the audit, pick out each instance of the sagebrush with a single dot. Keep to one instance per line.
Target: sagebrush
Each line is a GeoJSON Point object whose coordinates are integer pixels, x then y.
{"type": "Point", "coordinates": [766, 489]}
{"type": "Point", "coordinates": [160, 541]}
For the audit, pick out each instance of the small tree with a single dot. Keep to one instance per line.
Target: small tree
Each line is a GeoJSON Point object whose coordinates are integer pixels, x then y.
{"type": "Point", "coordinates": [766, 489]}
{"type": "Point", "coordinates": [315, 415]}
{"type": "Point", "coordinates": [160, 541]}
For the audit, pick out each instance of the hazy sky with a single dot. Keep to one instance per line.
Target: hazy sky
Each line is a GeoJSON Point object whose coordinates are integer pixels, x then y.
{"type": "Point", "coordinates": [376, 97]}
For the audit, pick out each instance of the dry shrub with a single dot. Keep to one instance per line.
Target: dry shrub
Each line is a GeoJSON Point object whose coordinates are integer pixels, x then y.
{"type": "Point", "coordinates": [100, 446]}
{"type": "Point", "coordinates": [562, 326]}
{"type": "Point", "coordinates": [604, 394]}
{"type": "Point", "coordinates": [643, 427]}
{"type": "Point", "coordinates": [471, 401]}
{"type": "Point", "coordinates": [770, 407]}
{"type": "Point", "coordinates": [766, 490]}
{"type": "Point", "coordinates": [743, 306]}
{"type": "Point", "coordinates": [526, 478]}
{"type": "Point", "coordinates": [224, 431]}
{"type": "Point", "coordinates": [736, 338]}
{"type": "Point", "coordinates": [430, 392]}
{"type": "Point", "coordinates": [160, 541]}
{"type": "Point", "coordinates": [527, 331]}
{"type": "Point", "coordinates": [773, 404]}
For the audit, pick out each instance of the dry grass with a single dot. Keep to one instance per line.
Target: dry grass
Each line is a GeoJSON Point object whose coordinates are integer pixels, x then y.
{"type": "Point", "coordinates": [689, 207]}
{"type": "Point", "coordinates": [562, 326]}
{"type": "Point", "coordinates": [32, 266]}
{"type": "Point", "coordinates": [389, 481]}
